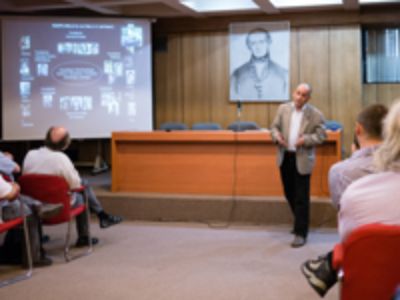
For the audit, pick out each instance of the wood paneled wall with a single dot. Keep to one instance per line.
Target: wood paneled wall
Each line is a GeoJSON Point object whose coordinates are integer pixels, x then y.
{"type": "Point", "coordinates": [192, 77]}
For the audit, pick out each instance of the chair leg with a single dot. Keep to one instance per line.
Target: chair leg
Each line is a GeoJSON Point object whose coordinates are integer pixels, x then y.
{"type": "Point", "coordinates": [66, 246]}
{"type": "Point", "coordinates": [28, 273]}
{"type": "Point", "coordinates": [89, 250]}
{"type": "Point", "coordinates": [28, 247]}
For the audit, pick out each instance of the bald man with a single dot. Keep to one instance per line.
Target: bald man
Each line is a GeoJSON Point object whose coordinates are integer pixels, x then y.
{"type": "Point", "coordinates": [297, 128]}
{"type": "Point", "coordinates": [50, 159]}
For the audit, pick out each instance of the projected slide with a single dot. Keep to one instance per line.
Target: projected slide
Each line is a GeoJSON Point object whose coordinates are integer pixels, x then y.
{"type": "Point", "coordinates": [94, 77]}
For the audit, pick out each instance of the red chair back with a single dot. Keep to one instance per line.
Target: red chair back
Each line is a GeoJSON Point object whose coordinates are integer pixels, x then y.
{"type": "Point", "coordinates": [371, 262]}
{"type": "Point", "coordinates": [50, 189]}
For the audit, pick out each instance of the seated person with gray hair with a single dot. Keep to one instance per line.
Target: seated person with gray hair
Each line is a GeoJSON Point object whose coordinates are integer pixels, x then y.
{"type": "Point", "coordinates": [50, 160]}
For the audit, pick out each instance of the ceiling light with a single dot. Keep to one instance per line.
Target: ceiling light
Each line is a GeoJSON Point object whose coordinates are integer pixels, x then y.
{"type": "Point", "coordinates": [379, 1]}
{"type": "Point", "coordinates": [304, 3]}
{"type": "Point", "coordinates": [220, 5]}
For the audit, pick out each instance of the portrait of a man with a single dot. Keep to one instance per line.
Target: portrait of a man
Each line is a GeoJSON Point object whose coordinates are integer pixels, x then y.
{"type": "Point", "coordinates": [260, 77]}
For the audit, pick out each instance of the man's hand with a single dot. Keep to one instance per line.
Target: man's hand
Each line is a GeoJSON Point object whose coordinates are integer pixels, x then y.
{"type": "Point", "coordinates": [300, 141]}
{"type": "Point", "coordinates": [281, 141]}
{"type": "Point", "coordinates": [13, 194]}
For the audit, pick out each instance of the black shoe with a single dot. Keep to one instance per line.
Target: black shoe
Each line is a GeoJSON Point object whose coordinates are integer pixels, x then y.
{"type": "Point", "coordinates": [44, 261]}
{"type": "Point", "coordinates": [45, 239]}
{"type": "Point", "coordinates": [319, 274]}
{"type": "Point", "coordinates": [298, 241]}
{"type": "Point", "coordinates": [109, 220]}
{"type": "Point", "coordinates": [83, 241]}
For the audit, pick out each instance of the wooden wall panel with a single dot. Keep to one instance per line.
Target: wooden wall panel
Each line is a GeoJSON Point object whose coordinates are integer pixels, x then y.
{"type": "Point", "coordinates": [345, 77]}
{"type": "Point", "coordinates": [222, 111]}
{"type": "Point", "coordinates": [168, 78]}
{"type": "Point", "coordinates": [387, 93]}
{"type": "Point", "coordinates": [369, 94]}
{"type": "Point", "coordinates": [193, 80]}
{"type": "Point", "coordinates": [380, 93]}
{"type": "Point", "coordinates": [160, 90]}
{"type": "Point", "coordinates": [313, 64]}
{"type": "Point", "coordinates": [195, 72]}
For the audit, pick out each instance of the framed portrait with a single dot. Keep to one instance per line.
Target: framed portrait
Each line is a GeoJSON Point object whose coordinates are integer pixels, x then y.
{"type": "Point", "coordinates": [259, 61]}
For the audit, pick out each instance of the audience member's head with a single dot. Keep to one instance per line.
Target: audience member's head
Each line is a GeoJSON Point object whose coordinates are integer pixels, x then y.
{"type": "Point", "coordinates": [371, 120]}
{"type": "Point", "coordinates": [57, 138]}
{"type": "Point", "coordinates": [387, 157]}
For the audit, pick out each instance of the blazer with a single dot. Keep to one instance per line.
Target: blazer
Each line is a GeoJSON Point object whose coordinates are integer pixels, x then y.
{"type": "Point", "coordinates": [311, 128]}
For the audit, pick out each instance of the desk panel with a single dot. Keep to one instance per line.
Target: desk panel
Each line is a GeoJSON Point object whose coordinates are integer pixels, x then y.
{"type": "Point", "coordinates": [208, 162]}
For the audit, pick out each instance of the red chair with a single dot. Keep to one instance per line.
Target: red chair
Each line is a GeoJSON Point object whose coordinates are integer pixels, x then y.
{"type": "Point", "coordinates": [4, 227]}
{"type": "Point", "coordinates": [369, 262]}
{"type": "Point", "coordinates": [55, 189]}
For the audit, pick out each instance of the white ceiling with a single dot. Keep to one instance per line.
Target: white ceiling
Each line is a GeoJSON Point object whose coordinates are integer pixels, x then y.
{"type": "Point", "coordinates": [173, 8]}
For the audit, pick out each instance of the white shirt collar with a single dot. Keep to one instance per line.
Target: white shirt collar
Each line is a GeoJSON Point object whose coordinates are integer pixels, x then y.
{"type": "Point", "coordinates": [302, 109]}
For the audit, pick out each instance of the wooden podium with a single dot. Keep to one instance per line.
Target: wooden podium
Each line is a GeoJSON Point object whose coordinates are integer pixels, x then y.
{"type": "Point", "coordinates": [208, 163]}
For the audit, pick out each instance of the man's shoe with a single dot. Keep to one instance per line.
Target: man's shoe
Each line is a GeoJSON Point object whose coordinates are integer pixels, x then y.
{"type": "Point", "coordinates": [44, 261]}
{"type": "Point", "coordinates": [298, 241]}
{"type": "Point", "coordinates": [109, 220]}
{"type": "Point", "coordinates": [319, 274]}
{"type": "Point", "coordinates": [45, 239]}
{"type": "Point", "coordinates": [49, 210]}
{"type": "Point", "coordinates": [83, 241]}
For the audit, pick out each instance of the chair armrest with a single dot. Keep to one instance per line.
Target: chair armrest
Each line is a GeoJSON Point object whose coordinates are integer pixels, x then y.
{"type": "Point", "coordinates": [337, 257]}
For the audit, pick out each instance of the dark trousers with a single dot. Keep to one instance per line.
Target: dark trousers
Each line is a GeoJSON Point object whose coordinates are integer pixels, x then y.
{"type": "Point", "coordinates": [82, 226]}
{"type": "Point", "coordinates": [13, 250]}
{"type": "Point", "coordinates": [297, 192]}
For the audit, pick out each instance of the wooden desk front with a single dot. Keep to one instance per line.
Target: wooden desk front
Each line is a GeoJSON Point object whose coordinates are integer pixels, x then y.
{"type": "Point", "coordinates": [208, 163]}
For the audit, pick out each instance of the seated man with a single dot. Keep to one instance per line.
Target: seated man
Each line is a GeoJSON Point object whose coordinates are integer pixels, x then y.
{"type": "Point", "coordinates": [8, 168]}
{"type": "Point", "coordinates": [9, 252]}
{"type": "Point", "coordinates": [368, 132]}
{"type": "Point", "coordinates": [51, 160]}
{"type": "Point", "coordinates": [368, 136]}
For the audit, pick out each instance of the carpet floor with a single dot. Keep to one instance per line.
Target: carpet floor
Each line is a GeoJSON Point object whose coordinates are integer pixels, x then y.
{"type": "Point", "coordinates": [178, 261]}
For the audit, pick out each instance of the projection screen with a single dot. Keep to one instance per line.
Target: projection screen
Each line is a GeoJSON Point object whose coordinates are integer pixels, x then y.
{"type": "Point", "coordinates": [91, 75]}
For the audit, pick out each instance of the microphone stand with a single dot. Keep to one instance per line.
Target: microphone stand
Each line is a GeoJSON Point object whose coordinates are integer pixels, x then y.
{"type": "Point", "coordinates": [238, 113]}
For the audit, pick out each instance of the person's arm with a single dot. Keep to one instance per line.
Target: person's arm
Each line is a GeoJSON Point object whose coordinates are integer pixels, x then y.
{"type": "Point", "coordinates": [338, 182]}
{"type": "Point", "coordinates": [317, 135]}
{"type": "Point", "coordinates": [276, 128]}
{"type": "Point", "coordinates": [7, 165]}
{"type": "Point", "coordinates": [348, 216]}
{"type": "Point", "coordinates": [69, 172]}
{"type": "Point", "coordinates": [8, 190]}
{"type": "Point", "coordinates": [14, 192]}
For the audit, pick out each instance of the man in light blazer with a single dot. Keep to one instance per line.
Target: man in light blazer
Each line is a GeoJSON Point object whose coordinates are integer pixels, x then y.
{"type": "Point", "coordinates": [297, 128]}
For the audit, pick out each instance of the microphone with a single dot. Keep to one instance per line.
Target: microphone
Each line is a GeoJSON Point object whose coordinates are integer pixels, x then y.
{"type": "Point", "coordinates": [239, 108]}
